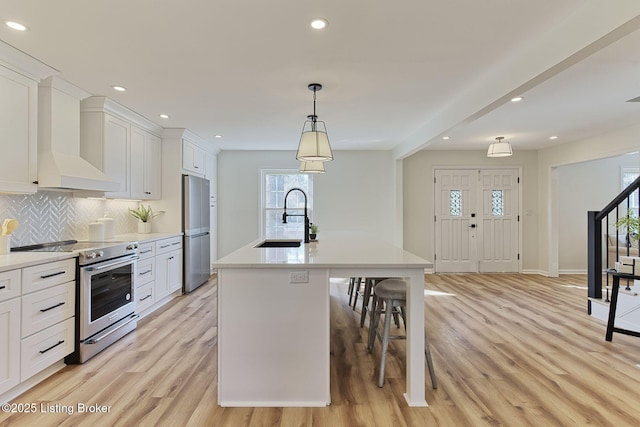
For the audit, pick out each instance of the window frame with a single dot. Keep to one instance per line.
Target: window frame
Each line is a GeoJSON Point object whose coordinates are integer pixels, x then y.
{"type": "Point", "coordinates": [263, 209]}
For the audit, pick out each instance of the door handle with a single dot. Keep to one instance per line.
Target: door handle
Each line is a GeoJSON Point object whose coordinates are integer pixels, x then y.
{"type": "Point", "coordinates": [472, 226]}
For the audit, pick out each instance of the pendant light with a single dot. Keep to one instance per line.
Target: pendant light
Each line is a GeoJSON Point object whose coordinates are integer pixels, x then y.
{"type": "Point", "coordinates": [500, 148]}
{"type": "Point", "coordinates": [311, 167]}
{"type": "Point", "coordinates": [314, 142]}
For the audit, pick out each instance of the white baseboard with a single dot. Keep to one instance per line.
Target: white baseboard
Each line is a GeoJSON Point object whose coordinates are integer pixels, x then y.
{"type": "Point", "coordinates": [572, 271]}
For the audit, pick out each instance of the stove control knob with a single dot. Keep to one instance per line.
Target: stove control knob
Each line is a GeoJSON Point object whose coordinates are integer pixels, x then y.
{"type": "Point", "coordinates": [91, 255]}
{"type": "Point", "coordinates": [100, 254]}
{"type": "Point", "coordinates": [132, 247]}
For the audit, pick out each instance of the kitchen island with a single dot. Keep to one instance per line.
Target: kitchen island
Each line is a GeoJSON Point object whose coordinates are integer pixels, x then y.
{"type": "Point", "coordinates": [273, 317]}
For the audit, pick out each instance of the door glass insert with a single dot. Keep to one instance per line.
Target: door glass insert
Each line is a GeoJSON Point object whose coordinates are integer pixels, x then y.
{"type": "Point", "coordinates": [455, 203]}
{"type": "Point", "coordinates": [497, 203]}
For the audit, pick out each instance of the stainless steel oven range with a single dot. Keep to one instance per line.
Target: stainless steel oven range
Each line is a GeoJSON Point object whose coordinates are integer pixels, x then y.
{"type": "Point", "coordinates": [105, 301]}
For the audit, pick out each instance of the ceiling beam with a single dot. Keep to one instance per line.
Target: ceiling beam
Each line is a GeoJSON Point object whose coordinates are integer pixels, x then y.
{"type": "Point", "coordinates": [588, 30]}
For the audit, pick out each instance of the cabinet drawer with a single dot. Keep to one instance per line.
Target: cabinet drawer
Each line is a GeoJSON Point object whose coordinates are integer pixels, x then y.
{"type": "Point", "coordinates": [144, 297]}
{"type": "Point", "coordinates": [167, 245]}
{"type": "Point", "coordinates": [43, 349]}
{"type": "Point", "coordinates": [9, 284]}
{"type": "Point", "coordinates": [47, 307]}
{"type": "Point", "coordinates": [145, 271]}
{"type": "Point", "coordinates": [147, 250]}
{"type": "Point", "coordinates": [43, 276]}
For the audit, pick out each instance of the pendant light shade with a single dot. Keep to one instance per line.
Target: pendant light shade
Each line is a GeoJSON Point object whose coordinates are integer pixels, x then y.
{"type": "Point", "coordinates": [500, 148]}
{"type": "Point", "coordinates": [314, 142]}
{"type": "Point", "coordinates": [312, 167]}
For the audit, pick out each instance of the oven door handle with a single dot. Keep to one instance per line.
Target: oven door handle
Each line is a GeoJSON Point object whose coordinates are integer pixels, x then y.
{"type": "Point", "coordinates": [113, 264]}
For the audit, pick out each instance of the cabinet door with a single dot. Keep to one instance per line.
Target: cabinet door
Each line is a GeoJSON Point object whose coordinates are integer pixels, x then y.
{"type": "Point", "coordinates": [193, 158]}
{"type": "Point", "coordinates": [145, 165]}
{"type": "Point", "coordinates": [168, 273]}
{"type": "Point", "coordinates": [212, 172]}
{"type": "Point", "coordinates": [152, 167]}
{"type": "Point", "coordinates": [116, 154]}
{"type": "Point", "coordinates": [9, 344]}
{"type": "Point", "coordinates": [137, 163]}
{"type": "Point", "coordinates": [18, 132]}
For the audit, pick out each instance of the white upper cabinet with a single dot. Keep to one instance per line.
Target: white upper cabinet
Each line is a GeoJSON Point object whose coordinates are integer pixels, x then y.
{"type": "Point", "coordinates": [193, 158]}
{"type": "Point", "coordinates": [18, 132]}
{"type": "Point", "coordinates": [116, 141]}
{"type": "Point", "coordinates": [146, 164]}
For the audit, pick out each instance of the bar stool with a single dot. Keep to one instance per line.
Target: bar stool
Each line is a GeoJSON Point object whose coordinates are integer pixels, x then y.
{"type": "Point", "coordinates": [370, 284]}
{"type": "Point", "coordinates": [392, 293]}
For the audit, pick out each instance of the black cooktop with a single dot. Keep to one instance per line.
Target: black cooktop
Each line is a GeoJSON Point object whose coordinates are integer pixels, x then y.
{"type": "Point", "coordinates": [62, 246]}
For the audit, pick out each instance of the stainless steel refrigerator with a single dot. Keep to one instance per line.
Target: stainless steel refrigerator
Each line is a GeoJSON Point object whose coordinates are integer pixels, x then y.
{"type": "Point", "coordinates": [197, 231]}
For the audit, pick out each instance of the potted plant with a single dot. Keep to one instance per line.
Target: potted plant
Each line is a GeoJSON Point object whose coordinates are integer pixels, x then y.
{"type": "Point", "coordinates": [313, 228]}
{"type": "Point", "coordinates": [631, 224]}
{"type": "Point", "coordinates": [144, 215]}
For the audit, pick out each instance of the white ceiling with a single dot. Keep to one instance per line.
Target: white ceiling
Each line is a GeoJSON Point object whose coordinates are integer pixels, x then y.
{"type": "Point", "coordinates": [396, 74]}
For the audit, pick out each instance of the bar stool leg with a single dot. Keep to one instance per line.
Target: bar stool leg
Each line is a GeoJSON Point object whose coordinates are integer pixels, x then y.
{"type": "Point", "coordinates": [427, 354]}
{"type": "Point", "coordinates": [352, 282]}
{"type": "Point", "coordinates": [366, 297]}
{"type": "Point", "coordinates": [388, 314]}
{"type": "Point", "coordinates": [356, 292]}
{"type": "Point", "coordinates": [374, 319]}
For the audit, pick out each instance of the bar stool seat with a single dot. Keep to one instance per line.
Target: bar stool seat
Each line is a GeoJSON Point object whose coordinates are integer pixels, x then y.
{"type": "Point", "coordinates": [392, 294]}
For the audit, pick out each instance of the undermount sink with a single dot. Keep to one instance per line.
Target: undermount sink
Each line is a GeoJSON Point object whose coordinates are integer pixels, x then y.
{"type": "Point", "coordinates": [280, 243]}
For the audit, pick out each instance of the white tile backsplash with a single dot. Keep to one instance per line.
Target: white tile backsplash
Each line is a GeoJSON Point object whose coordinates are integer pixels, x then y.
{"type": "Point", "coordinates": [49, 216]}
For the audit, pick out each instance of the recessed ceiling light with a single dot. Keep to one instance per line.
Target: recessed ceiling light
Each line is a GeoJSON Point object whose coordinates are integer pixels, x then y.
{"type": "Point", "coordinates": [553, 137]}
{"type": "Point", "coordinates": [119, 88]}
{"type": "Point", "coordinates": [319, 23]}
{"type": "Point", "coordinates": [164, 116]}
{"type": "Point", "coordinates": [218, 136]}
{"type": "Point", "coordinates": [16, 25]}
{"type": "Point", "coordinates": [517, 99]}
{"type": "Point", "coordinates": [445, 137]}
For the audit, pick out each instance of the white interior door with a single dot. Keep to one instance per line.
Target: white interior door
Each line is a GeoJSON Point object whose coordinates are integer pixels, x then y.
{"type": "Point", "coordinates": [476, 221]}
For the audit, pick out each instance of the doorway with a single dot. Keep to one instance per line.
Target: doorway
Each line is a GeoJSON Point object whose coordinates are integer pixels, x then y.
{"type": "Point", "coordinates": [477, 220]}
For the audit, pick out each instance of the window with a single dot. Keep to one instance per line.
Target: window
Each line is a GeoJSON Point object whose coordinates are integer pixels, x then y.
{"type": "Point", "coordinates": [274, 186]}
{"type": "Point", "coordinates": [455, 203]}
{"type": "Point", "coordinates": [628, 176]}
{"type": "Point", "coordinates": [497, 203]}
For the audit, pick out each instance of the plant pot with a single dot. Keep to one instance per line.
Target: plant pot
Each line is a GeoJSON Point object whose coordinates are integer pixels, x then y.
{"type": "Point", "coordinates": [144, 227]}
{"type": "Point", "coordinates": [312, 236]}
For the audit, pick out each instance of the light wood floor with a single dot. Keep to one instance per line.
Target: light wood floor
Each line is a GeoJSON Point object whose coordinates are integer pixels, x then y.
{"type": "Point", "coordinates": [509, 350]}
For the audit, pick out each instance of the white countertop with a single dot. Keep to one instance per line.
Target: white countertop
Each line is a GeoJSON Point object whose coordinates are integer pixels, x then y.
{"type": "Point", "coordinates": [16, 260]}
{"type": "Point", "coordinates": [146, 237]}
{"type": "Point", "coordinates": [332, 250]}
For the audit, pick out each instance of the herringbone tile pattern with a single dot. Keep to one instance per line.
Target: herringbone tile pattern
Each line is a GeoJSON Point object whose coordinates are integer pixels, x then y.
{"type": "Point", "coordinates": [49, 216]}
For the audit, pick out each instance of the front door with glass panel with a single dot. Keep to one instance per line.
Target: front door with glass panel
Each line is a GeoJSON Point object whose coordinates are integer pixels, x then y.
{"type": "Point", "coordinates": [476, 220]}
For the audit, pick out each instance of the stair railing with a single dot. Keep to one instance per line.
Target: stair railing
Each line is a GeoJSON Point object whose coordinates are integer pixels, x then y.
{"type": "Point", "coordinates": [605, 219]}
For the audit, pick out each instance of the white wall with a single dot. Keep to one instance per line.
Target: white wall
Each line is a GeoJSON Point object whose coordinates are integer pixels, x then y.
{"type": "Point", "coordinates": [549, 159]}
{"type": "Point", "coordinates": [357, 193]}
{"type": "Point", "coordinates": [418, 172]}
{"type": "Point", "coordinates": [583, 187]}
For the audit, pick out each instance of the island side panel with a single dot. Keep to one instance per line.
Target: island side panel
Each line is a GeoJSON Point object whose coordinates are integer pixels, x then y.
{"type": "Point", "coordinates": [273, 347]}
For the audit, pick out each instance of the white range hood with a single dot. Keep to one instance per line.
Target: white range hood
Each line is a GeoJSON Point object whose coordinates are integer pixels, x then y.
{"type": "Point", "coordinates": [59, 163]}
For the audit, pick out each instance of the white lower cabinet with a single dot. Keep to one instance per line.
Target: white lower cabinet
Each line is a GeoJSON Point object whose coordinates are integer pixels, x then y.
{"type": "Point", "coordinates": [45, 348]}
{"type": "Point", "coordinates": [145, 297]}
{"type": "Point", "coordinates": [9, 344]}
{"type": "Point", "coordinates": [37, 319]}
{"type": "Point", "coordinates": [169, 278]}
{"type": "Point", "coordinates": [47, 307]}
{"type": "Point", "coordinates": [159, 273]}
